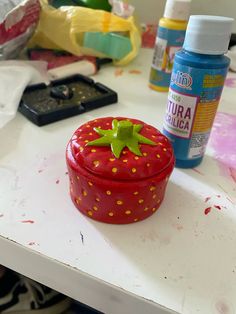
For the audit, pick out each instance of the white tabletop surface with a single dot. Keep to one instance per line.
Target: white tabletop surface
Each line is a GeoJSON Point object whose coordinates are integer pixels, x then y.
{"type": "Point", "coordinates": [178, 259]}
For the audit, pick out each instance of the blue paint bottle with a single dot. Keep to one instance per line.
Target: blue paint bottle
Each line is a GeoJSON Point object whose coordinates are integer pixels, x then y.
{"type": "Point", "coordinates": [197, 82]}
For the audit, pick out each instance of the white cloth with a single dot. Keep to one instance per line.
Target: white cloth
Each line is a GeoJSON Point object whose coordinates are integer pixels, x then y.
{"type": "Point", "coordinates": [15, 76]}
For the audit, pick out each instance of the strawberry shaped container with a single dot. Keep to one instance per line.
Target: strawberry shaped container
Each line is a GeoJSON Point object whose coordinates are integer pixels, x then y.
{"type": "Point", "coordinates": [118, 169]}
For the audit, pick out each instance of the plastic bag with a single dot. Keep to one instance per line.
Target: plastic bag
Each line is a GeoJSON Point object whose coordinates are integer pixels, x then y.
{"type": "Point", "coordinates": [64, 28]}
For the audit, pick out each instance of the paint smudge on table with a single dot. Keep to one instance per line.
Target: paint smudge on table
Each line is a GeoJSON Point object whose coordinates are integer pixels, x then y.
{"type": "Point", "coordinates": [223, 307]}
{"type": "Point", "coordinates": [40, 170]}
{"type": "Point", "coordinates": [222, 141]}
{"type": "Point", "coordinates": [1, 215]}
{"type": "Point", "coordinates": [230, 82]}
{"type": "Point", "coordinates": [57, 181]}
{"type": "Point", "coordinates": [118, 72]}
{"type": "Point", "coordinates": [134, 71]}
{"type": "Point", "coordinates": [207, 210]}
{"type": "Point", "coordinates": [82, 237]}
{"type": "Point", "coordinates": [32, 243]}
{"type": "Point", "coordinates": [29, 221]}
{"type": "Point", "coordinates": [217, 206]}
{"type": "Point", "coordinates": [207, 199]}
{"type": "Point", "coordinates": [197, 171]}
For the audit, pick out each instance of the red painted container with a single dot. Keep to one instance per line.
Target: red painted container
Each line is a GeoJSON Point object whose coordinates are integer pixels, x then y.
{"type": "Point", "coordinates": [118, 190]}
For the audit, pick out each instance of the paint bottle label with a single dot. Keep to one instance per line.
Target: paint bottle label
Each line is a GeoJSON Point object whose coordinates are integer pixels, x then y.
{"type": "Point", "coordinates": [193, 99]}
{"type": "Point", "coordinates": [168, 42]}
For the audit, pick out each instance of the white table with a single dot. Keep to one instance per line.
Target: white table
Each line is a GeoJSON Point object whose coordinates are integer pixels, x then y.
{"type": "Point", "coordinates": [179, 259]}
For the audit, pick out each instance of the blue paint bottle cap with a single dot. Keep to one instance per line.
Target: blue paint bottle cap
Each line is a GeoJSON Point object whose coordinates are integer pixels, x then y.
{"type": "Point", "coordinates": [207, 34]}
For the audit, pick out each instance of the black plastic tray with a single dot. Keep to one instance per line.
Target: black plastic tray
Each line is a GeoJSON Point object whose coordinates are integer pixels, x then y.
{"type": "Point", "coordinates": [40, 107]}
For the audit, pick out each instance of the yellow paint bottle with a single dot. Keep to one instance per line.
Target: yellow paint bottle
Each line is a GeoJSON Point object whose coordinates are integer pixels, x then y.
{"type": "Point", "coordinates": [169, 39]}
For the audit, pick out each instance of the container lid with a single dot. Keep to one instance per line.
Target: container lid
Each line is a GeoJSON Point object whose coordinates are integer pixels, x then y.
{"type": "Point", "coordinates": [208, 34]}
{"type": "Point", "coordinates": [177, 9]}
{"type": "Point", "coordinates": [101, 161]}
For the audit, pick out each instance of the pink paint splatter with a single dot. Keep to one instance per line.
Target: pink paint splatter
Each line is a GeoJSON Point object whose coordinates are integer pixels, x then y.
{"type": "Point", "coordinates": [29, 221]}
{"type": "Point", "coordinates": [218, 195]}
{"type": "Point", "coordinates": [217, 206]}
{"type": "Point", "coordinates": [207, 199]}
{"type": "Point", "coordinates": [58, 181]}
{"type": "Point", "coordinates": [222, 140]}
{"type": "Point", "coordinates": [207, 210]}
{"type": "Point", "coordinates": [230, 82]}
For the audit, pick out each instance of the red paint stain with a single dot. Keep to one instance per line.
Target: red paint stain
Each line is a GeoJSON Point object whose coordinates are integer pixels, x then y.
{"type": "Point", "coordinates": [217, 206]}
{"type": "Point", "coordinates": [197, 171]}
{"type": "Point", "coordinates": [207, 210]}
{"type": "Point", "coordinates": [207, 199]}
{"type": "Point", "coordinates": [29, 221]}
{"type": "Point", "coordinates": [58, 181]}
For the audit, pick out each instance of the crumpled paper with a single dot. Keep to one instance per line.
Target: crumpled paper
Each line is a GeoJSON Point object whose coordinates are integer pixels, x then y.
{"type": "Point", "coordinates": [15, 76]}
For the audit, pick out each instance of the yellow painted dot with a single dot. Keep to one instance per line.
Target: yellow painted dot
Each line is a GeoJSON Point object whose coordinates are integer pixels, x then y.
{"type": "Point", "coordinates": [87, 126]}
{"type": "Point", "coordinates": [119, 202]}
{"type": "Point", "coordinates": [114, 170]}
{"type": "Point", "coordinates": [78, 200]}
{"type": "Point", "coordinates": [136, 219]}
{"type": "Point", "coordinates": [108, 192]}
{"type": "Point", "coordinates": [111, 214]}
{"type": "Point", "coordinates": [85, 193]}
{"type": "Point", "coordinates": [136, 157]}
{"type": "Point", "coordinates": [153, 209]}
{"type": "Point", "coordinates": [90, 183]}
{"type": "Point", "coordinates": [90, 133]}
{"type": "Point", "coordinates": [81, 149]}
{"type": "Point", "coordinates": [164, 149]}
{"type": "Point", "coordinates": [93, 150]}
{"type": "Point", "coordinates": [96, 163]}
{"type": "Point", "coordinates": [99, 127]}
{"type": "Point", "coordinates": [152, 188]}
{"type": "Point", "coordinates": [145, 154]}
{"type": "Point", "coordinates": [78, 178]}
{"type": "Point", "coordinates": [136, 193]}
{"type": "Point", "coordinates": [158, 201]}
{"type": "Point", "coordinates": [90, 213]}
{"type": "Point", "coordinates": [80, 138]}
{"type": "Point", "coordinates": [148, 165]}
{"type": "Point", "coordinates": [153, 136]}
{"type": "Point", "coordinates": [146, 209]}
{"type": "Point", "coordinates": [159, 143]}
{"type": "Point", "coordinates": [154, 196]}
{"type": "Point", "coordinates": [140, 201]}
{"type": "Point", "coordinates": [124, 153]}
{"type": "Point", "coordinates": [95, 120]}
{"type": "Point", "coordinates": [112, 159]}
{"type": "Point", "coordinates": [107, 123]}
{"type": "Point", "coordinates": [158, 156]}
{"type": "Point", "coordinates": [95, 208]}
{"type": "Point", "coordinates": [128, 212]}
{"type": "Point", "coordinates": [134, 170]}
{"type": "Point", "coordinates": [125, 160]}
{"type": "Point", "coordinates": [86, 141]}
{"type": "Point", "coordinates": [97, 199]}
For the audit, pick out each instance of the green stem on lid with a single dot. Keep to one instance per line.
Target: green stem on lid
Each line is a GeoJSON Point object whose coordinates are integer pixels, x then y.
{"type": "Point", "coordinates": [123, 134]}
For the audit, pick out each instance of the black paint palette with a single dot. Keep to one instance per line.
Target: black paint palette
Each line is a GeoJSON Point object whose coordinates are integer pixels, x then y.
{"type": "Point", "coordinates": [64, 98]}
